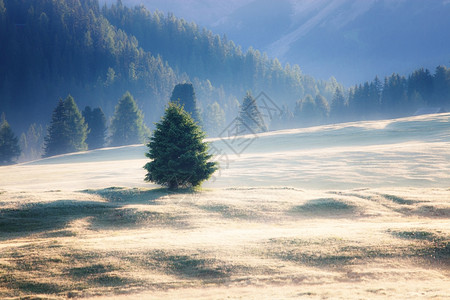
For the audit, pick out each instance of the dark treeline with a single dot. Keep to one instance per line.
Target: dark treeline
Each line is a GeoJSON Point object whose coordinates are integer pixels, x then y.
{"type": "Point", "coordinates": [397, 96]}
{"type": "Point", "coordinates": [51, 48]}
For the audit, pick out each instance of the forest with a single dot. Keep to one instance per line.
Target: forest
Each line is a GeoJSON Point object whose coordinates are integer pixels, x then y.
{"type": "Point", "coordinates": [54, 48]}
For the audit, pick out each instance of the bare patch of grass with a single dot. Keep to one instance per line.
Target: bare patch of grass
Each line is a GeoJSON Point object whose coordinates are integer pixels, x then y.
{"type": "Point", "coordinates": [39, 217]}
{"type": "Point", "coordinates": [324, 206]}
{"type": "Point", "coordinates": [33, 287]}
{"type": "Point", "coordinates": [432, 211]}
{"type": "Point", "coordinates": [398, 200]}
{"type": "Point", "coordinates": [331, 252]}
{"type": "Point", "coordinates": [191, 266]}
{"type": "Point", "coordinates": [133, 195]}
{"type": "Point", "coordinates": [135, 218]}
{"type": "Point", "coordinates": [433, 247]}
{"type": "Point", "coordinates": [228, 211]}
{"type": "Point", "coordinates": [415, 235]}
{"type": "Point", "coordinates": [95, 269]}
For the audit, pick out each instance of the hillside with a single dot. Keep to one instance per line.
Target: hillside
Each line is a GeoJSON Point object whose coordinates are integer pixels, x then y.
{"type": "Point", "coordinates": [349, 211]}
{"type": "Point", "coordinates": [393, 153]}
{"type": "Point", "coordinates": [351, 40]}
{"type": "Point", "coordinates": [53, 48]}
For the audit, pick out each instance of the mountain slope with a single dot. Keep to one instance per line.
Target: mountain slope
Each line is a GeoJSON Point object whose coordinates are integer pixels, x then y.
{"type": "Point", "coordinates": [349, 39]}
{"type": "Point", "coordinates": [56, 48]}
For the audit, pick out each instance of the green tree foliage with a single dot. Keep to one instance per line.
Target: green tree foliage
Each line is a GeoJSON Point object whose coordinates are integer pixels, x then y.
{"type": "Point", "coordinates": [9, 144]}
{"type": "Point", "coordinates": [306, 112]}
{"type": "Point", "coordinates": [338, 107]}
{"type": "Point", "coordinates": [32, 142]}
{"type": "Point", "coordinates": [322, 109]}
{"type": "Point", "coordinates": [394, 96]}
{"type": "Point", "coordinates": [67, 131]}
{"type": "Point", "coordinates": [441, 84]}
{"type": "Point", "coordinates": [214, 119]}
{"type": "Point", "coordinates": [208, 57]}
{"type": "Point", "coordinates": [96, 121]}
{"type": "Point", "coordinates": [400, 96]}
{"type": "Point", "coordinates": [127, 126]}
{"type": "Point", "coordinates": [179, 157]}
{"type": "Point", "coordinates": [52, 46]}
{"type": "Point", "coordinates": [56, 141]}
{"type": "Point", "coordinates": [250, 119]}
{"type": "Point", "coordinates": [185, 94]}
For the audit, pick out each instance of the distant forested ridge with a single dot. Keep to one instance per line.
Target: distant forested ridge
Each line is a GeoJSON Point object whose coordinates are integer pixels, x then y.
{"type": "Point", "coordinates": [421, 92]}
{"type": "Point", "coordinates": [51, 48]}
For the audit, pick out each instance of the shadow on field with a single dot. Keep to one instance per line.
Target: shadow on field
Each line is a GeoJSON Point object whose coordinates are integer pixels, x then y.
{"type": "Point", "coordinates": [51, 218]}
{"type": "Point", "coordinates": [324, 207]}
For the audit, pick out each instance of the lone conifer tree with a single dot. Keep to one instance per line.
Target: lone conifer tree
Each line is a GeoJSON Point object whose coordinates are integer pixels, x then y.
{"type": "Point", "coordinates": [127, 126]}
{"type": "Point", "coordinates": [67, 131]}
{"type": "Point", "coordinates": [250, 118]}
{"type": "Point", "coordinates": [9, 144]}
{"type": "Point", "coordinates": [185, 94]}
{"type": "Point", "coordinates": [179, 155]}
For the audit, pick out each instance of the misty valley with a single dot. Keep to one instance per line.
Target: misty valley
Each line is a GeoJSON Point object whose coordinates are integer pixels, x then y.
{"type": "Point", "coordinates": [145, 154]}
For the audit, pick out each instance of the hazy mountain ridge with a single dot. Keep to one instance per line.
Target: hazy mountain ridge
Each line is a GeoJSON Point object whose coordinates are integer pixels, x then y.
{"type": "Point", "coordinates": [96, 54]}
{"type": "Point", "coordinates": [351, 40]}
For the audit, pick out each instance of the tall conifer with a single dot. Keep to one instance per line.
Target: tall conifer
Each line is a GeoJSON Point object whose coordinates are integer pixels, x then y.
{"type": "Point", "coordinates": [179, 157]}
{"type": "Point", "coordinates": [9, 144]}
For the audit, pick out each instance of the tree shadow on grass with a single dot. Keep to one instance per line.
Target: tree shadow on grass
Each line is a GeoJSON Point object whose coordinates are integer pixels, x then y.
{"type": "Point", "coordinates": [42, 217]}
{"type": "Point", "coordinates": [324, 207]}
{"type": "Point", "coordinates": [130, 196]}
{"type": "Point", "coordinates": [53, 217]}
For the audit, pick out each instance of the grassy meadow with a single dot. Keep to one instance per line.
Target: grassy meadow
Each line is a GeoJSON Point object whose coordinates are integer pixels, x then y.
{"type": "Point", "coordinates": [87, 226]}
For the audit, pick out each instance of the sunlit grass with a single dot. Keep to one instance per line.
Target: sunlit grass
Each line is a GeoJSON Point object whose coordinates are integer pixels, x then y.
{"type": "Point", "coordinates": [126, 241]}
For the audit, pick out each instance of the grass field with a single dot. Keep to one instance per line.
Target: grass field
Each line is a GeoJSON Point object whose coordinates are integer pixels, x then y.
{"type": "Point", "coordinates": [353, 211]}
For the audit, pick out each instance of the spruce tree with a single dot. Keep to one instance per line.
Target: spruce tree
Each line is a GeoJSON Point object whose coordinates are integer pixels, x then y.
{"type": "Point", "coordinates": [56, 141]}
{"type": "Point", "coordinates": [9, 144]}
{"type": "Point", "coordinates": [179, 157]}
{"type": "Point", "coordinates": [96, 122]}
{"type": "Point", "coordinates": [67, 131]}
{"type": "Point", "coordinates": [77, 127]}
{"type": "Point", "coordinates": [127, 125]}
{"type": "Point", "coordinates": [250, 119]}
{"type": "Point", "coordinates": [185, 94]}
{"type": "Point", "coordinates": [338, 107]}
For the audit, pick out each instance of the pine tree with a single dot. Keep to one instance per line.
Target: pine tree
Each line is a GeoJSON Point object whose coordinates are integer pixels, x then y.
{"type": "Point", "coordinates": [179, 157]}
{"type": "Point", "coordinates": [67, 131]}
{"type": "Point", "coordinates": [185, 94]}
{"type": "Point", "coordinates": [338, 108]}
{"type": "Point", "coordinates": [322, 109]}
{"type": "Point", "coordinates": [306, 111]}
{"type": "Point", "coordinates": [76, 125]}
{"type": "Point", "coordinates": [32, 142]}
{"type": "Point", "coordinates": [56, 141]}
{"type": "Point", "coordinates": [127, 126]}
{"type": "Point", "coordinates": [96, 122]}
{"type": "Point", "coordinates": [9, 144]}
{"type": "Point", "coordinates": [250, 119]}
